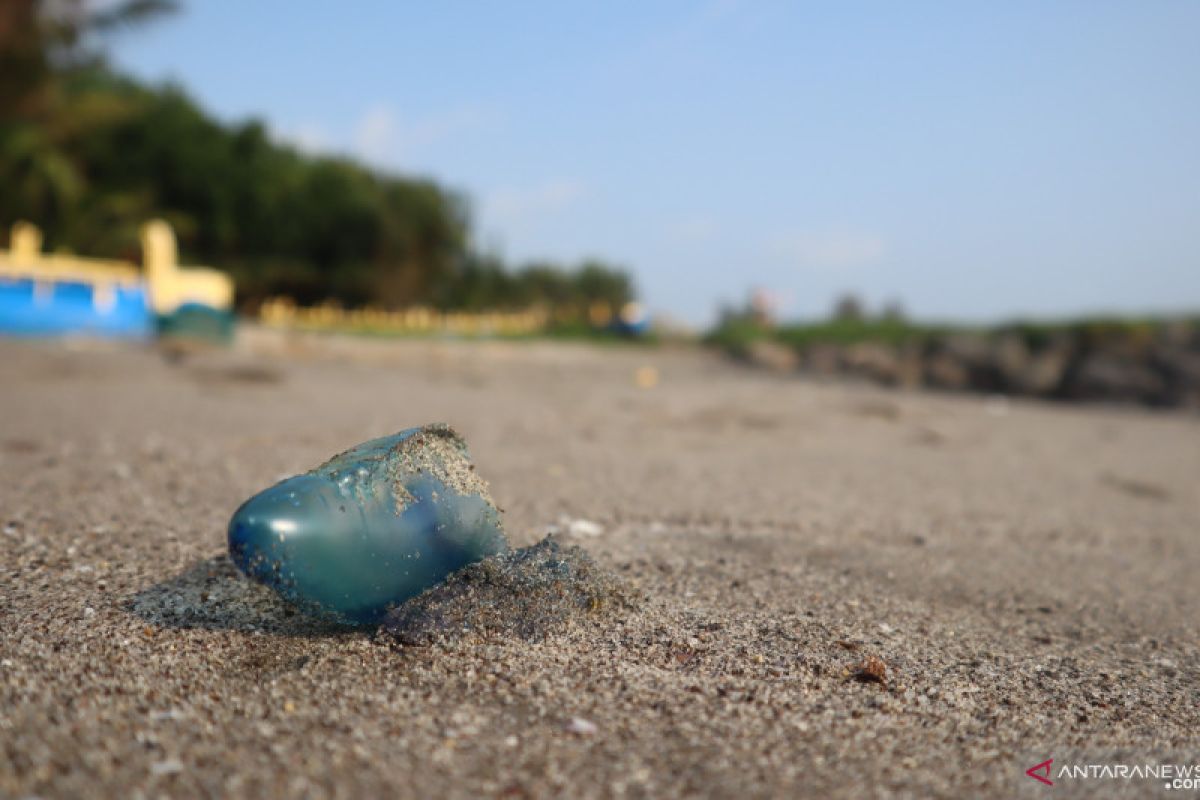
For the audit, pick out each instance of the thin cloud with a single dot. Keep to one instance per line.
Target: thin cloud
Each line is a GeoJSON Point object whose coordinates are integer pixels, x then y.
{"type": "Point", "coordinates": [376, 135]}
{"type": "Point", "coordinates": [686, 41]}
{"type": "Point", "coordinates": [693, 230]}
{"type": "Point", "coordinates": [519, 205]}
{"type": "Point", "coordinates": [384, 136]}
{"type": "Point", "coordinates": [307, 138]}
{"type": "Point", "coordinates": [837, 249]}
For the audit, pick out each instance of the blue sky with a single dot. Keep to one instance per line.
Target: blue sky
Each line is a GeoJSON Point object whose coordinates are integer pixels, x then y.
{"type": "Point", "coordinates": [974, 160]}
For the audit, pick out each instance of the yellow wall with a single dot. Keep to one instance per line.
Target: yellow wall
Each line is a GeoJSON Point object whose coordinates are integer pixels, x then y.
{"type": "Point", "coordinates": [282, 313]}
{"type": "Point", "coordinates": [169, 286]}
{"type": "Point", "coordinates": [25, 259]}
{"type": "Point", "coordinates": [172, 286]}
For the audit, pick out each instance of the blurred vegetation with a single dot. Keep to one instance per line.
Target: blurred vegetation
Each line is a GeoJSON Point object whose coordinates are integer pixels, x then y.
{"type": "Point", "coordinates": [88, 155]}
{"type": "Point", "coordinates": [736, 333]}
{"type": "Point", "coordinates": [850, 324]}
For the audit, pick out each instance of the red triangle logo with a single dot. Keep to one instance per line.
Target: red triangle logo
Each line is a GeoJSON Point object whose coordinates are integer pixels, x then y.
{"type": "Point", "coordinates": [1044, 767]}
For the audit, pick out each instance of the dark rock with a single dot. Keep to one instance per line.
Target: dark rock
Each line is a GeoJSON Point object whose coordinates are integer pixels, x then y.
{"type": "Point", "coordinates": [874, 361]}
{"type": "Point", "coordinates": [962, 361]}
{"type": "Point", "coordinates": [1180, 371]}
{"type": "Point", "coordinates": [772, 355]}
{"type": "Point", "coordinates": [823, 359]}
{"type": "Point", "coordinates": [1181, 334]}
{"type": "Point", "coordinates": [944, 371]}
{"type": "Point", "coordinates": [1043, 375]}
{"type": "Point", "coordinates": [1103, 361]}
{"type": "Point", "coordinates": [911, 365]}
{"type": "Point", "coordinates": [522, 594]}
{"type": "Point", "coordinates": [1038, 372]}
{"type": "Point", "coordinates": [1113, 376]}
{"type": "Point", "coordinates": [1009, 359]}
{"type": "Point", "coordinates": [967, 349]}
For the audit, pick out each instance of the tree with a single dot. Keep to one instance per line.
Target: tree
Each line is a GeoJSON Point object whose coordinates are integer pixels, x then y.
{"type": "Point", "coordinates": [848, 308]}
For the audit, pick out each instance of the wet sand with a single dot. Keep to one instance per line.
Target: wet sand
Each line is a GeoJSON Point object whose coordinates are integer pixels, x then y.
{"type": "Point", "coordinates": [845, 592]}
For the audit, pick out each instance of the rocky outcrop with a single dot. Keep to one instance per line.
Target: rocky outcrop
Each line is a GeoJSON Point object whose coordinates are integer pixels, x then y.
{"type": "Point", "coordinates": [1159, 367]}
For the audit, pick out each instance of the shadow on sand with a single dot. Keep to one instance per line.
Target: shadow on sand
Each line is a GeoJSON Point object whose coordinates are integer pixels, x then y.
{"type": "Point", "coordinates": [212, 594]}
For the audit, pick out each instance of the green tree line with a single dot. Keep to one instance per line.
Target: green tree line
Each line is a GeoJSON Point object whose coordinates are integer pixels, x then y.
{"type": "Point", "coordinates": [88, 155]}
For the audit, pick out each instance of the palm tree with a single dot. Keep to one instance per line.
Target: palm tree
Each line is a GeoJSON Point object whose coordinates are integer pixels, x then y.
{"type": "Point", "coordinates": [41, 42]}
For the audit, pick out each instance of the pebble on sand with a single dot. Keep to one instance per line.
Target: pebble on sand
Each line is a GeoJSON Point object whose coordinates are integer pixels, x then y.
{"type": "Point", "coordinates": [581, 727]}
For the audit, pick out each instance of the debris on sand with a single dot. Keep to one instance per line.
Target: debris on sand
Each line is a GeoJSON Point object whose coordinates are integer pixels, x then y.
{"type": "Point", "coordinates": [579, 527]}
{"type": "Point", "coordinates": [581, 727]}
{"type": "Point", "coordinates": [522, 594]}
{"type": "Point", "coordinates": [871, 669]}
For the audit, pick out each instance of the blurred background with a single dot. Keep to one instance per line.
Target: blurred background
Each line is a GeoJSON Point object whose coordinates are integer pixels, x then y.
{"type": "Point", "coordinates": [998, 199]}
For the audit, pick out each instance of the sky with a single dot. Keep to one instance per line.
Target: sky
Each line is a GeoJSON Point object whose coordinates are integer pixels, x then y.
{"type": "Point", "coordinates": [973, 161]}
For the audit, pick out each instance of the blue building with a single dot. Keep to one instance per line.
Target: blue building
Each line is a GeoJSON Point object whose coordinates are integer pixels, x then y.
{"type": "Point", "coordinates": [52, 294]}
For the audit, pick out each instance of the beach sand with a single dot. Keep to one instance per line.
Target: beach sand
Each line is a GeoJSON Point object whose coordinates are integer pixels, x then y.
{"type": "Point", "coordinates": [844, 591]}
